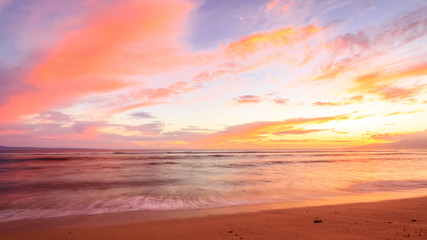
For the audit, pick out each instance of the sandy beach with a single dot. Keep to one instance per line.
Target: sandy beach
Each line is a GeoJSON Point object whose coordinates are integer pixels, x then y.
{"type": "Point", "coordinates": [394, 219]}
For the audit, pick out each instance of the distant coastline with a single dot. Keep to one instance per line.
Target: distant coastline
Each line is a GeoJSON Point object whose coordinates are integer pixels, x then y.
{"type": "Point", "coordinates": [7, 148]}
{"type": "Point", "coordinates": [400, 145]}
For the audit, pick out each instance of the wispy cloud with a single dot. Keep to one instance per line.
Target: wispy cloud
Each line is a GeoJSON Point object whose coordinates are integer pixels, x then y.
{"type": "Point", "coordinates": [257, 130]}
{"type": "Point", "coordinates": [248, 99]}
{"type": "Point", "coordinates": [150, 96]}
{"type": "Point", "coordinates": [281, 100]}
{"type": "Point", "coordinates": [142, 115]}
{"type": "Point", "coordinates": [277, 38]}
{"type": "Point", "coordinates": [346, 101]}
{"type": "Point", "coordinates": [299, 131]}
{"type": "Point", "coordinates": [278, 6]}
{"type": "Point", "coordinates": [400, 113]}
{"type": "Point", "coordinates": [350, 49]}
{"type": "Point", "coordinates": [94, 58]}
{"type": "Point", "coordinates": [271, 5]}
{"type": "Point", "coordinates": [381, 83]}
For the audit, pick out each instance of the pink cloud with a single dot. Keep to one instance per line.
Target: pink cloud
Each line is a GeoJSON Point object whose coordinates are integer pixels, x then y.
{"type": "Point", "coordinates": [327, 103]}
{"type": "Point", "coordinates": [146, 97]}
{"type": "Point", "coordinates": [53, 116]}
{"type": "Point", "coordinates": [364, 45]}
{"type": "Point", "coordinates": [274, 5]}
{"type": "Point", "coordinates": [286, 6]}
{"type": "Point", "coordinates": [271, 5]}
{"type": "Point", "coordinates": [91, 134]}
{"type": "Point", "coordinates": [148, 129]}
{"type": "Point", "coordinates": [248, 99]}
{"type": "Point", "coordinates": [53, 134]}
{"type": "Point", "coordinates": [12, 132]}
{"type": "Point", "coordinates": [125, 38]}
{"type": "Point", "coordinates": [281, 100]}
{"type": "Point", "coordinates": [222, 69]}
{"type": "Point", "coordinates": [257, 99]}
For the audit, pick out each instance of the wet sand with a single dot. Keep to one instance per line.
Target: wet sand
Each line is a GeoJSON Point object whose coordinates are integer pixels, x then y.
{"type": "Point", "coordinates": [395, 219]}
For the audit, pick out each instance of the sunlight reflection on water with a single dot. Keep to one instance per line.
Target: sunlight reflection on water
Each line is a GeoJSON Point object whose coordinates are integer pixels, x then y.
{"type": "Point", "coordinates": [45, 184]}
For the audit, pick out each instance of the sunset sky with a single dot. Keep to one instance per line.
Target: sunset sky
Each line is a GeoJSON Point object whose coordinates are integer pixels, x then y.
{"type": "Point", "coordinates": [213, 73]}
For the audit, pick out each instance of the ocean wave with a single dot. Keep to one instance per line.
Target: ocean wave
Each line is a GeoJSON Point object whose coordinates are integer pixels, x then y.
{"type": "Point", "coordinates": [162, 163]}
{"type": "Point", "coordinates": [380, 186]}
{"type": "Point", "coordinates": [16, 187]}
{"type": "Point", "coordinates": [58, 184]}
{"type": "Point", "coordinates": [203, 155]}
{"type": "Point", "coordinates": [123, 204]}
{"type": "Point", "coordinates": [40, 159]}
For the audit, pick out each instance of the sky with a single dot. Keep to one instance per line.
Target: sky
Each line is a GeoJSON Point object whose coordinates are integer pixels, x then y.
{"type": "Point", "coordinates": [213, 74]}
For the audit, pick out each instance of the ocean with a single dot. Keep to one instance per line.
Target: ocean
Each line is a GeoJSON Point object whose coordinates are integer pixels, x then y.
{"type": "Point", "coordinates": [42, 184]}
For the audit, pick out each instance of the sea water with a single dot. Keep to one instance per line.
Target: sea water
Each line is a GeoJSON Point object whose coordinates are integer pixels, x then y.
{"type": "Point", "coordinates": [41, 184]}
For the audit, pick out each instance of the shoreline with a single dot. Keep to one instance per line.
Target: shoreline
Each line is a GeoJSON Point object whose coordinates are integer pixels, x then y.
{"type": "Point", "coordinates": [120, 217]}
{"type": "Point", "coordinates": [385, 219]}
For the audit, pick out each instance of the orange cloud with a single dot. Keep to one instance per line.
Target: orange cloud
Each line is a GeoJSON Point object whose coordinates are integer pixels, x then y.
{"type": "Point", "coordinates": [259, 130]}
{"type": "Point", "coordinates": [400, 93]}
{"type": "Point", "coordinates": [334, 68]}
{"type": "Point", "coordinates": [299, 131]}
{"type": "Point", "coordinates": [380, 83]}
{"type": "Point", "coordinates": [399, 113]}
{"type": "Point", "coordinates": [413, 140]}
{"type": "Point", "coordinates": [373, 79]}
{"type": "Point", "coordinates": [269, 43]}
{"type": "Point", "coordinates": [347, 101]}
{"type": "Point", "coordinates": [273, 39]}
{"type": "Point", "coordinates": [131, 37]}
{"type": "Point", "coordinates": [357, 98]}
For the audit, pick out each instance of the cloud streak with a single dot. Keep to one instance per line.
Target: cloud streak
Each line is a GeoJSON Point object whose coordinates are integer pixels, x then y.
{"type": "Point", "coordinates": [117, 41]}
{"type": "Point", "coordinates": [260, 130]}
{"type": "Point", "coordinates": [350, 49]}
{"type": "Point", "coordinates": [381, 83]}
{"type": "Point", "coordinates": [248, 99]}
